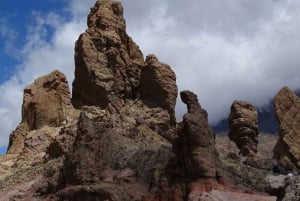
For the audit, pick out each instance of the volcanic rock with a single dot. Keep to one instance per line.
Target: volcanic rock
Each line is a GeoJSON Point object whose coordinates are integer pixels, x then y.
{"type": "Point", "coordinates": [46, 107]}
{"type": "Point", "coordinates": [121, 142]}
{"type": "Point", "coordinates": [243, 123]}
{"type": "Point", "coordinates": [291, 189]}
{"type": "Point", "coordinates": [46, 101]}
{"type": "Point", "coordinates": [108, 62]}
{"type": "Point", "coordinates": [158, 85]}
{"type": "Point", "coordinates": [123, 132]}
{"type": "Point", "coordinates": [287, 149]}
{"type": "Point", "coordinates": [198, 140]}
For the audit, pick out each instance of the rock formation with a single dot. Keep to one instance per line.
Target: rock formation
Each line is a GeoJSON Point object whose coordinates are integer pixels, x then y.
{"type": "Point", "coordinates": [108, 62]}
{"type": "Point", "coordinates": [196, 148]}
{"type": "Point", "coordinates": [158, 85]}
{"type": "Point", "coordinates": [46, 107]}
{"type": "Point", "coordinates": [198, 140]}
{"type": "Point", "coordinates": [243, 123]}
{"type": "Point", "coordinates": [46, 101]}
{"type": "Point", "coordinates": [127, 121]}
{"type": "Point", "coordinates": [287, 149]}
{"type": "Point", "coordinates": [120, 141]}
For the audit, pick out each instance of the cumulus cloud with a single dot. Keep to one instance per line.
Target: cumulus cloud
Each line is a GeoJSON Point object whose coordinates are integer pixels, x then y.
{"type": "Point", "coordinates": [222, 51]}
{"type": "Point", "coordinates": [225, 50]}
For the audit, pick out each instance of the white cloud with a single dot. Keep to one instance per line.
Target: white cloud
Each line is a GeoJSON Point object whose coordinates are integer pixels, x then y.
{"type": "Point", "coordinates": [49, 45]}
{"type": "Point", "coordinates": [223, 50]}
{"type": "Point", "coordinates": [220, 50]}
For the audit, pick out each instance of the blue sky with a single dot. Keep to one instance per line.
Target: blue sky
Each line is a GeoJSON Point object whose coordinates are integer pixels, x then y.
{"type": "Point", "coordinates": [221, 50]}
{"type": "Point", "coordinates": [14, 21]}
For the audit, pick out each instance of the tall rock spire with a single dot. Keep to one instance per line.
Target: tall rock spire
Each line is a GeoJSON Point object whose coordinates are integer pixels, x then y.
{"type": "Point", "coordinates": [107, 61]}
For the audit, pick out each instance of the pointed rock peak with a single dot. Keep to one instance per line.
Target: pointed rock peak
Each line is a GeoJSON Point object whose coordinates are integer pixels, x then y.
{"type": "Point", "coordinates": [46, 101]}
{"type": "Point", "coordinates": [198, 140]}
{"type": "Point", "coordinates": [107, 61]}
{"type": "Point", "coordinates": [191, 100]}
{"type": "Point", "coordinates": [103, 11]}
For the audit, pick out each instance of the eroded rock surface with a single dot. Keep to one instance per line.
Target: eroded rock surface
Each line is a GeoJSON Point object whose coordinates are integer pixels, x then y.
{"type": "Point", "coordinates": [198, 148]}
{"type": "Point", "coordinates": [287, 110]}
{"type": "Point", "coordinates": [108, 62]}
{"type": "Point", "coordinates": [46, 107]}
{"type": "Point", "coordinates": [158, 85]}
{"type": "Point", "coordinates": [46, 101]}
{"type": "Point", "coordinates": [243, 123]}
{"type": "Point", "coordinates": [122, 142]}
{"type": "Point", "coordinates": [291, 189]}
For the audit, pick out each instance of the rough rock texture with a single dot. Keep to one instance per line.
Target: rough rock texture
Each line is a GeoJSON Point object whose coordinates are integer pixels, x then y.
{"type": "Point", "coordinates": [198, 140]}
{"type": "Point", "coordinates": [291, 190]}
{"type": "Point", "coordinates": [46, 110]}
{"type": "Point", "coordinates": [243, 123]}
{"type": "Point", "coordinates": [158, 85]}
{"type": "Point", "coordinates": [287, 149]}
{"type": "Point", "coordinates": [46, 107]}
{"type": "Point", "coordinates": [108, 62]}
{"type": "Point", "coordinates": [114, 149]}
{"type": "Point", "coordinates": [275, 184]}
{"type": "Point", "coordinates": [122, 142]}
{"type": "Point", "coordinates": [216, 195]}
{"type": "Point", "coordinates": [195, 160]}
{"type": "Point", "coordinates": [46, 101]}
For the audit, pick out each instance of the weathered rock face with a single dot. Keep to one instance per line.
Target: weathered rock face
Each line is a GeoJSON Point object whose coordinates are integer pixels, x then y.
{"type": "Point", "coordinates": [46, 101]}
{"type": "Point", "coordinates": [118, 144]}
{"type": "Point", "coordinates": [287, 149]}
{"type": "Point", "coordinates": [158, 85]}
{"type": "Point", "coordinates": [198, 140]}
{"type": "Point", "coordinates": [108, 62]}
{"type": "Point", "coordinates": [102, 151]}
{"type": "Point", "coordinates": [243, 122]}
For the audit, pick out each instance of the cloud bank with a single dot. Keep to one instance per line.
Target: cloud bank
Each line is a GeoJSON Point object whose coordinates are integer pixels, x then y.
{"type": "Point", "coordinates": [222, 51]}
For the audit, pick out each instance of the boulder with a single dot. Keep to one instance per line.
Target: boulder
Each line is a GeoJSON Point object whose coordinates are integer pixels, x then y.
{"type": "Point", "coordinates": [287, 148]}
{"type": "Point", "coordinates": [243, 123]}
{"type": "Point", "coordinates": [275, 184]}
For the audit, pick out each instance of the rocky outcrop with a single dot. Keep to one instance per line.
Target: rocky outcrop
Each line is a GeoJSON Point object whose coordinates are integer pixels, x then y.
{"type": "Point", "coordinates": [110, 68]}
{"type": "Point", "coordinates": [198, 140]}
{"type": "Point", "coordinates": [158, 85]}
{"type": "Point", "coordinates": [108, 62]}
{"type": "Point", "coordinates": [287, 149]}
{"type": "Point", "coordinates": [194, 163]}
{"type": "Point", "coordinates": [46, 101]}
{"type": "Point", "coordinates": [122, 141]}
{"type": "Point", "coordinates": [127, 115]}
{"type": "Point", "coordinates": [243, 122]}
{"type": "Point", "coordinates": [291, 189]}
{"type": "Point", "coordinates": [46, 107]}
{"type": "Point", "coordinates": [102, 151]}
